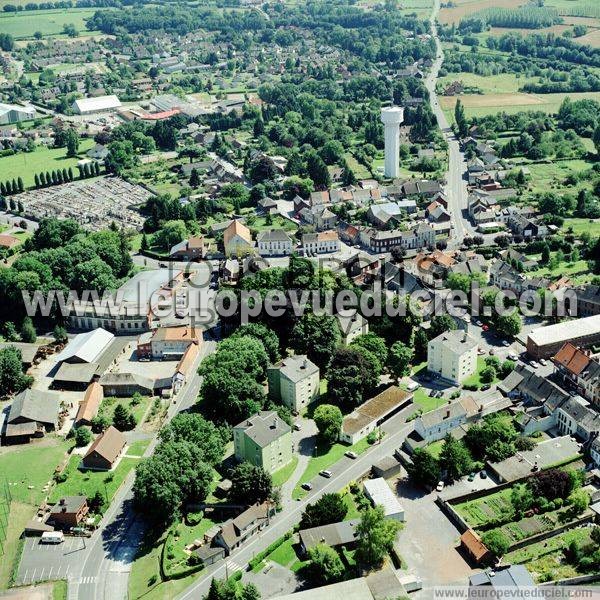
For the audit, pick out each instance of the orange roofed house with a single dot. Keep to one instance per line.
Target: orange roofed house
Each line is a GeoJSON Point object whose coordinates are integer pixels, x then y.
{"type": "Point", "coordinates": [577, 367]}
{"type": "Point", "coordinates": [168, 342]}
{"type": "Point", "coordinates": [185, 366]}
{"type": "Point", "coordinates": [471, 544]}
{"type": "Point", "coordinates": [237, 239]}
{"type": "Point", "coordinates": [88, 407]}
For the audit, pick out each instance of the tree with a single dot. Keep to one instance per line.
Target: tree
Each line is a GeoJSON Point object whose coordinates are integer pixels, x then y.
{"type": "Point", "coordinates": [83, 436]}
{"type": "Point", "coordinates": [350, 376]}
{"type": "Point", "coordinates": [328, 419]}
{"type": "Point", "coordinates": [173, 476]}
{"type": "Point", "coordinates": [455, 458]}
{"type": "Point", "coordinates": [28, 334]}
{"type": "Point", "coordinates": [194, 178]}
{"type": "Point", "coordinates": [425, 468]}
{"type": "Point", "coordinates": [100, 423]}
{"type": "Point", "coordinates": [123, 419]}
{"type": "Point", "coordinates": [579, 501]}
{"type": "Point", "coordinates": [72, 142]}
{"type": "Point", "coordinates": [375, 345]}
{"type": "Point", "coordinates": [375, 536]}
{"type": "Point", "coordinates": [171, 233]}
{"type": "Point", "coordinates": [250, 484]}
{"type": "Point", "coordinates": [317, 170]}
{"type": "Point", "coordinates": [440, 324]}
{"type": "Point", "coordinates": [596, 139]}
{"type": "Point", "coordinates": [195, 429]}
{"type": "Point", "coordinates": [399, 360]}
{"type": "Point", "coordinates": [487, 374]}
{"type": "Point", "coordinates": [521, 498]}
{"type": "Point", "coordinates": [510, 324]}
{"type": "Point", "coordinates": [496, 542]}
{"type": "Point", "coordinates": [325, 565]}
{"type": "Point", "coordinates": [60, 334]}
{"type": "Point", "coordinates": [462, 124]}
{"type": "Point", "coordinates": [263, 334]}
{"type": "Point", "coordinates": [317, 336]}
{"type": "Point", "coordinates": [12, 378]}
{"type": "Point", "coordinates": [330, 508]}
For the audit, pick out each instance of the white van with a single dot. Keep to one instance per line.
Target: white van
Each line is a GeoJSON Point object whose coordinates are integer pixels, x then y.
{"type": "Point", "coordinates": [53, 537]}
{"type": "Point", "coordinates": [412, 386]}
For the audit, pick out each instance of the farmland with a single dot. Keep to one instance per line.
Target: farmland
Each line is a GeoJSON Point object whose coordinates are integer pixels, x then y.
{"type": "Point", "coordinates": [465, 8]}
{"type": "Point", "coordinates": [23, 25]}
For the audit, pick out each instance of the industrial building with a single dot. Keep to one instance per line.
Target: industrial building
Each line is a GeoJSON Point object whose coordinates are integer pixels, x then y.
{"type": "Point", "coordinates": [380, 494]}
{"type": "Point", "coordinates": [14, 113]}
{"type": "Point", "coordinates": [545, 342]}
{"type": "Point", "coordinates": [88, 106]}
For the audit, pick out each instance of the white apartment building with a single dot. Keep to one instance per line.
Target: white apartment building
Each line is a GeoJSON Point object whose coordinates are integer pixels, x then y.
{"type": "Point", "coordinates": [320, 243]}
{"type": "Point", "coordinates": [453, 355]}
{"type": "Point", "coordinates": [294, 381]}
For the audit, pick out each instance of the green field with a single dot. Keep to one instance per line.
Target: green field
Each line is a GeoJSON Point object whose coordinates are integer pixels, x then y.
{"type": "Point", "coordinates": [281, 476]}
{"type": "Point", "coordinates": [23, 25]}
{"type": "Point", "coordinates": [87, 483]}
{"type": "Point", "coordinates": [580, 226]}
{"type": "Point", "coordinates": [27, 164]}
{"type": "Point", "coordinates": [41, 459]}
{"type": "Point", "coordinates": [502, 83]}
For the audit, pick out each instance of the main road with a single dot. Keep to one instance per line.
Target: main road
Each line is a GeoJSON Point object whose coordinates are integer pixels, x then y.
{"type": "Point", "coordinates": [456, 178]}
{"type": "Point", "coordinates": [105, 568]}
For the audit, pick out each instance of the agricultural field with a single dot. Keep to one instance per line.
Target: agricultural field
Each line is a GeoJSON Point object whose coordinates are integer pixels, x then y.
{"type": "Point", "coordinates": [480, 105]}
{"type": "Point", "coordinates": [23, 25]}
{"type": "Point", "coordinates": [27, 164]}
{"type": "Point", "coordinates": [422, 8]}
{"type": "Point", "coordinates": [546, 560]}
{"type": "Point", "coordinates": [579, 226]}
{"type": "Point", "coordinates": [465, 8]}
{"type": "Point", "coordinates": [504, 83]}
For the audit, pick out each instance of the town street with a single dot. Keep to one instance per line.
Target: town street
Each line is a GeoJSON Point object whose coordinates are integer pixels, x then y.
{"type": "Point", "coordinates": [104, 570]}
{"type": "Point", "coordinates": [456, 177]}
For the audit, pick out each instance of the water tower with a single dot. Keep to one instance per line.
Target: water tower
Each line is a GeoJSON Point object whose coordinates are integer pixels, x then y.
{"type": "Point", "coordinates": [391, 117]}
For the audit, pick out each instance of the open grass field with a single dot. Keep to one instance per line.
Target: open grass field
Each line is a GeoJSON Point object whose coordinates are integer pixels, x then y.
{"type": "Point", "coordinates": [27, 164]}
{"type": "Point", "coordinates": [41, 460]}
{"type": "Point", "coordinates": [87, 483]}
{"type": "Point", "coordinates": [23, 25]}
{"type": "Point", "coordinates": [325, 456]}
{"type": "Point", "coordinates": [107, 408]}
{"type": "Point", "coordinates": [477, 105]}
{"type": "Point", "coordinates": [475, 379]}
{"type": "Point", "coordinates": [504, 83]}
{"type": "Point", "coordinates": [465, 8]}
{"type": "Point", "coordinates": [422, 8]}
{"type": "Point", "coordinates": [579, 226]}
{"type": "Point", "coordinates": [546, 559]}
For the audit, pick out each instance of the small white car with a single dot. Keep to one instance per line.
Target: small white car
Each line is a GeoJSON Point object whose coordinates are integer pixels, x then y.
{"type": "Point", "coordinates": [325, 473]}
{"type": "Point", "coordinates": [440, 486]}
{"type": "Point", "coordinates": [351, 454]}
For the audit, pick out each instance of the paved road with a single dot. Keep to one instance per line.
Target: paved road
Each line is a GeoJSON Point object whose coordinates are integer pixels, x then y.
{"type": "Point", "coordinates": [344, 471]}
{"type": "Point", "coordinates": [456, 179]}
{"type": "Point", "coordinates": [104, 570]}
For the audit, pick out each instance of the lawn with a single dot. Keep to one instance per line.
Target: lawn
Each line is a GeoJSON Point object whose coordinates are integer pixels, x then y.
{"type": "Point", "coordinates": [59, 590]}
{"type": "Point", "coordinates": [27, 164]}
{"type": "Point", "coordinates": [325, 456]}
{"type": "Point", "coordinates": [107, 408]}
{"type": "Point", "coordinates": [579, 226]}
{"type": "Point", "coordinates": [24, 24]}
{"type": "Point", "coordinates": [183, 535]}
{"type": "Point", "coordinates": [41, 460]}
{"type": "Point", "coordinates": [502, 83]}
{"type": "Point", "coordinates": [283, 474]}
{"type": "Point", "coordinates": [435, 448]}
{"type": "Point", "coordinates": [87, 483]}
{"type": "Point", "coordinates": [138, 448]}
{"type": "Point", "coordinates": [545, 560]}
{"type": "Point", "coordinates": [475, 379]}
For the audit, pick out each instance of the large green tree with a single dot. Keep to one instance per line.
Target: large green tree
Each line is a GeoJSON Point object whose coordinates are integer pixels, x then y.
{"type": "Point", "coordinates": [250, 484]}
{"type": "Point", "coordinates": [375, 536]}
{"type": "Point", "coordinates": [329, 508]}
{"type": "Point", "coordinates": [328, 419]}
{"type": "Point", "coordinates": [317, 336]}
{"type": "Point", "coordinates": [455, 458]}
{"type": "Point", "coordinates": [325, 565]}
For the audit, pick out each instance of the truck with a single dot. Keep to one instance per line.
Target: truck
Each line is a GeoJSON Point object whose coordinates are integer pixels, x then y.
{"type": "Point", "coordinates": [53, 537]}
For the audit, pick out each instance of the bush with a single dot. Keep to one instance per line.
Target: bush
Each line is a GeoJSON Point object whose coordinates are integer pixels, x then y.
{"type": "Point", "coordinates": [83, 436]}
{"type": "Point", "coordinates": [193, 518]}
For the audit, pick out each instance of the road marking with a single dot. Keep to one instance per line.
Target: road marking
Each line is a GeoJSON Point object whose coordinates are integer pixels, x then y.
{"type": "Point", "coordinates": [33, 575]}
{"type": "Point", "coordinates": [42, 574]}
{"type": "Point", "coordinates": [24, 578]}
{"type": "Point", "coordinates": [50, 573]}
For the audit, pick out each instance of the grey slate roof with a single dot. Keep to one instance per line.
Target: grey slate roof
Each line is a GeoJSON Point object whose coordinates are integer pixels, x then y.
{"type": "Point", "coordinates": [335, 534]}
{"type": "Point", "coordinates": [35, 405]}
{"type": "Point", "coordinates": [437, 416]}
{"type": "Point", "coordinates": [274, 235]}
{"type": "Point", "coordinates": [457, 341]}
{"type": "Point", "coordinates": [264, 427]}
{"type": "Point", "coordinates": [297, 367]}
{"type": "Point", "coordinates": [512, 576]}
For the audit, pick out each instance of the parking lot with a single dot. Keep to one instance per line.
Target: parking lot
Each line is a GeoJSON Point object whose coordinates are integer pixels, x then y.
{"type": "Point", "coordinates": [154, 369]}
{"type": "Point", "coordinates": [42, 562]}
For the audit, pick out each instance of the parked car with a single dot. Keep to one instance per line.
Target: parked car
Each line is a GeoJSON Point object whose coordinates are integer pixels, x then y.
{"type": "Point", "coordinates": [297, 427]}
{"type": "Point", "coordinates": [485, 386]}
{"type": "Point", "coordinates": [471, 477]}
{"type": "Point", "coordinates": [306, 486]}
{"type": "Point", "coordinates": [543, 362]}
{"type": "Point", "coordinates": [505, 343]}
{"type": "Point", "coordinates": [325, 473]}
{"type": "Point", "coordinates": [483, 474]}
{"type": "Point", "coordinates": [535, 364]}
{"type": "Point", "coordinates": [485, 327]}
{"type": "Point", "coordinates": [440, 486]}
{"type": "Point", "coordinates": [412, 386]}
{"type": "Point", "coordinates": [512, 356]}
{"type": "Point", "coordinates": [351, 454]}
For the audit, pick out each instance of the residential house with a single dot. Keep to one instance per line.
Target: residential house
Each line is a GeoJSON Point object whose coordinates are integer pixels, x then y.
{"type": "Point", "coordinates": [193, 248]}
{"type": "Point", "coordinates": [88, 407]}
{"type": "Point", "coordinates": [264, 440]}
{"type": "Point", "coordinates": [33, 413]}
{"type": "Point", "coordinates": [294, 381]}
{"type": "Point", "coordinates": [68, 512]}
{"type": "Point", "coordinates": [424, 188]}
{"type": "Point", "coordinates": [352, 326]}
{"type": "Point", "coordinates": [513, 577]}
{"type": "Point", "coordinates": [235, 532]}
{"type": "Point", "coordinates": [231, 270]}
{"type": "Point", "coordinates": [333, 535]}
{"type": "Point", "coordinates": [474, 548]}
{"type": "Point", "coordinates": [453, 355]}
{"type": "Point", "coordinates": [431, 267]}
{"type": "Point", "coordinates": [320, 243]}
{"type": "Point", "coordinates": [422, 236]}
{"type": "Point", "coordinates": [372, 413]}
{"type": "Point", "coordinates": [105, 450]}
{"type": "Point", "coordinates": [237, 239]}
{"type": "Point", "coordinates": [514, 257]}
{"type": "Point", "coordinates": [319, 216]}
{"type": "Point", "coordinates": [123, 385]}
{"type": "Point", "coordinates": [275, 242]}
{"type": "Point", "coordinates": [588, 300]}
{"type": "Point", "coordinates": [167, 342]}
{"type": "Point", "coordinates": [580, 369]}
{"type": "Point", "coordinates": [436, 424]}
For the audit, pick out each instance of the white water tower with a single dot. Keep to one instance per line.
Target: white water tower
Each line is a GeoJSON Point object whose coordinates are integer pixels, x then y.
{"type": "Point", "coordinates": [391, 117]}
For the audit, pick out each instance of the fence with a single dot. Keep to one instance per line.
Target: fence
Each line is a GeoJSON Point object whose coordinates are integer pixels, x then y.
{"type": "Point", "coordinates": [5, 500]}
